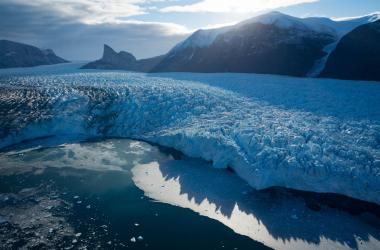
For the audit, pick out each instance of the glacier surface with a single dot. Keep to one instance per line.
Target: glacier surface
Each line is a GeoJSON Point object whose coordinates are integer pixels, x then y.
{"type": "Point", "coordinates": [307, 134]}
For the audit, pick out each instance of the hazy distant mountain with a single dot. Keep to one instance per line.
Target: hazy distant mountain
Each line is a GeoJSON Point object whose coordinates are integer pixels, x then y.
{"type": "Point", "coordinates": [122, 60]}
{"type": "Point", "coordinates": [13, 54]}
{"type": "Point", "coordinates": [357, 55]}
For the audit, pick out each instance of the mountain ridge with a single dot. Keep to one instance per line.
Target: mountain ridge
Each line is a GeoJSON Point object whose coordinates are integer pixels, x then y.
{"type": "Point", "coordinates": [15, 54]}
{"type": "Point", "coordinates": [272, 43]}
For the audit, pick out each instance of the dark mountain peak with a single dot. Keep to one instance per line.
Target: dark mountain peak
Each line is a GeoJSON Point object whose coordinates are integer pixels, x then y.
{"type": "Point", "coordinates": [357, 55]}
{"type": "Point", "coordinates": [14, 54]}
{"type": "Point", "coordinates": [108, 51]}
{"type": "Point", "coordinates": [111, 57]}
{"type": "Point", "coordinates": [122, 60]}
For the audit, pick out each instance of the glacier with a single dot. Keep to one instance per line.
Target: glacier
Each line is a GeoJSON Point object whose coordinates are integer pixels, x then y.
{"type": "Point", "coordinates": [306, 134]}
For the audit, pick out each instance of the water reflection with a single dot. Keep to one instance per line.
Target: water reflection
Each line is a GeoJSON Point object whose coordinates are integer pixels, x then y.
{"type": "Point", "coordinates": [277, 218]}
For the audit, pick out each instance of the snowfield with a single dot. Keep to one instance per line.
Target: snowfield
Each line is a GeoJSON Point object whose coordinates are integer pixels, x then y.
{"type": "Point", "coordinates": [307, 134]}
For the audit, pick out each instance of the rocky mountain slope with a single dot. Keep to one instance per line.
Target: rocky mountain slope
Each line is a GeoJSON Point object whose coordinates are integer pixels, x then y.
{"type": "Point", "coordinates": [357, 55]}
{"type": "Point", "coordinates": [13, 54]}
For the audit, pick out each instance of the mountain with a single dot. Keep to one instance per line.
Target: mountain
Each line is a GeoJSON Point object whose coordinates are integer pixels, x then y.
{"type": "Point", "coordinates": [123, 61]}
{"type": "Point", "coordinates": [13, 54]}
{"type": "Point", "coordinates": [357, 55]}
{"type": "Point", "coordinates": [271, 44]}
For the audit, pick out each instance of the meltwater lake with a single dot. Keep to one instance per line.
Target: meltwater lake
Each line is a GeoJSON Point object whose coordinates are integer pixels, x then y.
{"type": "Point", "coordinates": [116, 160]}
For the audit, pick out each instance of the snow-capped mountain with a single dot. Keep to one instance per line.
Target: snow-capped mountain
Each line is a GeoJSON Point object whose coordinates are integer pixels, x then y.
{"type": "Point", "coordinates": [343, 26]}
{"type": "Point", "coordinates": [272, 43]}
{"type": "Point", "coordinates": [340, 27]}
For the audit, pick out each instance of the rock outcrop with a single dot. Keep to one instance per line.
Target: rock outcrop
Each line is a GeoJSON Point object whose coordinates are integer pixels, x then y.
{"type": "Point", "coordinates": [122, 61]}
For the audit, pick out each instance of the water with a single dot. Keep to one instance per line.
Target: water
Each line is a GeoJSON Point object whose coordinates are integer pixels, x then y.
{"type": "Point", "coordinates": [69, 178]}
{"type": "Point", "coordinates": [103, 204]}
{"type": "Point", "coordinates": [110, 191]}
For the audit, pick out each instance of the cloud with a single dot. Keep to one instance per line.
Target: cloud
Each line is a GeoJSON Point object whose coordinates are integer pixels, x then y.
{"type": "Point", "coordinates": [73, 38]}
{"type": "Point", "coordinates": [239, 6]}
{"type": "Point", "coordinates": [92, 11]}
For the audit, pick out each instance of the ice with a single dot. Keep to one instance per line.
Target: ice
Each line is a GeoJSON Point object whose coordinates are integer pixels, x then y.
{"type": "Point", "coordinates": [308, 134]}
{"type": "Point", "coordinates": [320, 64]}
{"type": "Point", "coordinates": [276, 219]}
{"type": "Point", "coordinates": [133, 239]}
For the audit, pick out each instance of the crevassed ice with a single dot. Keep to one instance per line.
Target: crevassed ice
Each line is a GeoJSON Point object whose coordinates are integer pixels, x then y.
{"type": "Point", "coordinates": [267, 145]}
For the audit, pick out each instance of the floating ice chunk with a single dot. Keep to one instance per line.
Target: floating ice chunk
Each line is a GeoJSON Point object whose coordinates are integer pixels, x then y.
{"type": "Point", "coordinates": [140, 238]}
{"type": "Point", "coordinates": [133, 239]}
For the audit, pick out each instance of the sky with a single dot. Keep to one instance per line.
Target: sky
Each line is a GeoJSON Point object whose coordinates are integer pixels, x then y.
{"type": "Point", "coordinates": [77, 29]}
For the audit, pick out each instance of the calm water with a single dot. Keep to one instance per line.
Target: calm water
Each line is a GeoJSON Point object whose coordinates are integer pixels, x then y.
{"type": "Point", "coordinates": [104, 205]}
{"type": "Point", "coordinates": [119, 193]}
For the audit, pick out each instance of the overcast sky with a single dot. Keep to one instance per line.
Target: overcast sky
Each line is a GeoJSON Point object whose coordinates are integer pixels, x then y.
{"type": "Point", "coordinates": [77, 29]}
